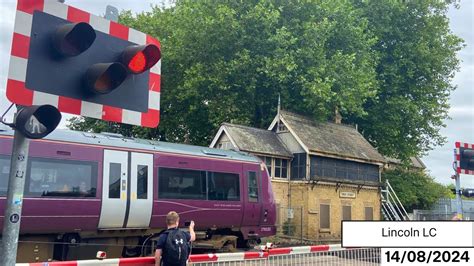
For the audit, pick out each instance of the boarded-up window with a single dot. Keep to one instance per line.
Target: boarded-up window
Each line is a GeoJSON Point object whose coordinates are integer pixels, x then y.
{"type": "Point", "coordinates": [369, 213]}
{"type": "Point", "coordinates": [346, 213]}
{"type": "Point", "coordinates": [278, 213]}
{"type": "Point", "coordinates": [324, 216]}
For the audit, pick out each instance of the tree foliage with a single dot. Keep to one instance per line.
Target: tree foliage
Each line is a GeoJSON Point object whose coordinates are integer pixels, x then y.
{"type": "Point", "coordinates": [386, 65]}
{"type": "Point", "coordinates": [417, 60]}
{"type": "Point", "coordinates": [414, 188]}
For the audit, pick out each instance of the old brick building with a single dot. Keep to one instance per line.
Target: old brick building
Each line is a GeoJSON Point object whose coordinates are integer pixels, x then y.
{"type": "Point", "coordinates": [328, 171]}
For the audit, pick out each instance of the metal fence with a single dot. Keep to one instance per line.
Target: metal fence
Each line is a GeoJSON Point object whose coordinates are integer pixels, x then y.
{"type": "Point", "coordinates": [445, 209]}
{"type": "Point", "coordinates": [289, 222]}
{"type": "Point", "coordinates": [437, 215]}
{"type": "Point", "coordinates": [307, 255]}
{"type": "Point", "coordinates": [336, 256]}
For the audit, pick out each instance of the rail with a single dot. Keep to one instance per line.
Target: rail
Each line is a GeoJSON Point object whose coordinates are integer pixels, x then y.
{"type": "Point", "coordinates": [305, 255]}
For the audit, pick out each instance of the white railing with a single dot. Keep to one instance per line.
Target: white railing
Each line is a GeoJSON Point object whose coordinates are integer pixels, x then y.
{"type": "Point", "coordinates": [392, 208]}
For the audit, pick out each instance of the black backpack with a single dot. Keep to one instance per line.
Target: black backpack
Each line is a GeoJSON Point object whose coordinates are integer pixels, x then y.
{"type": "Point", "coordinates": [176, 250]}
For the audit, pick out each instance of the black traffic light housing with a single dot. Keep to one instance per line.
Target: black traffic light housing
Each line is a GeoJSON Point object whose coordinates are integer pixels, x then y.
{"type": "Point", "coordinates": [73, 38]}
{"type": "Point", "coordinates": [75, 61]}
{"type": "Point", "coordinates": [466, 158]}
{"type": "Point", "coordinates": [85, 64]}
{"type": "Point", "coordinates": [37, 121]}
{"type": "Point", "coordinates": [468, 192]}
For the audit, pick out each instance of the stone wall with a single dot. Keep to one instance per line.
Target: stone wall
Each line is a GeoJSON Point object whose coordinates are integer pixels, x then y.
{"type": "Point", "coordinates": [311, 196]}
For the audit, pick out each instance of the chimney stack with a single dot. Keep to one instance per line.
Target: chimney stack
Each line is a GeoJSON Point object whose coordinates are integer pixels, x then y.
{"type": "Point", "coordinates": [337, 116]}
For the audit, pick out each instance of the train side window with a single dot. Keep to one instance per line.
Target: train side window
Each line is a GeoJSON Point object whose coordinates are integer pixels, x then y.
{"type": "Point", "coordinates": [114, 180]}
{"type": "Point", "coordinates": [252, 186]}
{"type": "Point", "coordinates": [142, 181]}
{"type": "Point", "coordinates": [181, 184]}
{"type": "Point", "coordinates": [61, 178]}
{"type": "Point", "coordinates": [4, 174]}
{"type": "Point", "coordinates": [223, 186]}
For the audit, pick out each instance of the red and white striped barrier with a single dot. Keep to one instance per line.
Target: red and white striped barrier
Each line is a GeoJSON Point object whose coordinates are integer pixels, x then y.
{"type": "Point", "coordinates": [304, 249]}
{"type": "Point", "coordinates": [145, 261]}
{"type": "Point", "coordinates": [220, 257]}
{"type": "Point", "coordinates": [198, 258]}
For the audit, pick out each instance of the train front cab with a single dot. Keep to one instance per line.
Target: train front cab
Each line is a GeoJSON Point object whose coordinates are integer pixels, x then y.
{"type": "Point", "coordinates": [224, 197]}
{"type": "Point", "coordinates": [206, 190]}
{"type": "Point", "coordinates": [259, 205]}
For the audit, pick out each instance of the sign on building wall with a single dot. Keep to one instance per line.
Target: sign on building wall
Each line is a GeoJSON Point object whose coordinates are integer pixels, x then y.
{"type": "Point", "coordinates": [347, 194]}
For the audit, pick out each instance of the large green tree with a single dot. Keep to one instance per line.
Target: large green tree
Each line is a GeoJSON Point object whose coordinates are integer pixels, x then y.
{"type": "Point", "coordinates": [417, 60]}
{"type": "Point", "coordinates": [386, 65]}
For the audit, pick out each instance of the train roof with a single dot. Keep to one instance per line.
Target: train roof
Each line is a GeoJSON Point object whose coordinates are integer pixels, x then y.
{"type": "Point", "coordinates": [117, 140]}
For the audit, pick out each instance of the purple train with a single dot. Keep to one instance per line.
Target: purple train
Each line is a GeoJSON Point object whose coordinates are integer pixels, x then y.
{"type": "Point", "coordinates": [86, 192]}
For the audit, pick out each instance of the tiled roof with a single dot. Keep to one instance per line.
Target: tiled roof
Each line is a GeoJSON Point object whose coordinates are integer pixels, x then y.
{"type": "Point", "coordinates": [330, 138]}
{"type": "Point", "coordinates": [257, 140]}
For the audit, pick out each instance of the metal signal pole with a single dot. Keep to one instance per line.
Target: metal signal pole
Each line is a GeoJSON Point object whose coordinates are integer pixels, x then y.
{"type": "Point", "coordinates": [458, 197]}
{"type": "Point", "coordinates": [16, 185]}
{"type": "Point", "coordinates": [459, 213]}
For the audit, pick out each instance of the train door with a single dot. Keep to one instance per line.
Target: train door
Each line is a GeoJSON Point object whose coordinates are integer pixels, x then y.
{"type": "Point", "coordinates": [114, 189]}
{"type": "Point", "coordinates": [142, 190]}
{"type": "Point", "coordinates": [252, 196]}
{"type": "Point", "coordinates": [127, 185]}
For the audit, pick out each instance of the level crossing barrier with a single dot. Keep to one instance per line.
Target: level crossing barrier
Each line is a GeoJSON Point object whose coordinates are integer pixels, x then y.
{"type": "Point", "coordinates": [305, 255]}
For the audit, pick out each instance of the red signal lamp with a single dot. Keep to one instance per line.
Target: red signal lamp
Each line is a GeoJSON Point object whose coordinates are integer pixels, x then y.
{"type": "Point", "coordinates": [140, 58]}
{"type": "Point", "coordinates": [138, 63]}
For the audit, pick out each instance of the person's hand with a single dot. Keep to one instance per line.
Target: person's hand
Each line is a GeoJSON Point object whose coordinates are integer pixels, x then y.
{"type": "Point", "coordinates": [191, 225]}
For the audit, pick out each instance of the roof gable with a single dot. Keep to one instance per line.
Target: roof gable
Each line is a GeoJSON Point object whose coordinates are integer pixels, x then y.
{"type": "Point", "coordinates": [256, 140]}
{"type": "Point", "coordinates": [329, 138]}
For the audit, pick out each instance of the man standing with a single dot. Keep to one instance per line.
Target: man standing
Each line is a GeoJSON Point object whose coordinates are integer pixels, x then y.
{"type": "Point", "coordinates": [173, 246]}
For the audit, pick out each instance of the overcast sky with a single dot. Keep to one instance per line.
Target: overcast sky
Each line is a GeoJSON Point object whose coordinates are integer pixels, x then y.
{"type": "Point", "coordinates": [438, 161]}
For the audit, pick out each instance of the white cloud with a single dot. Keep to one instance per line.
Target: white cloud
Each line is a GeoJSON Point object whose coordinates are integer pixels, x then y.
{"type": "Point", "coordinates": [462, 112]}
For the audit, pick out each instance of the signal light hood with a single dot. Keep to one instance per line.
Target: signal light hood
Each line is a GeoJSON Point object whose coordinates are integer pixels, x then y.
{"type": "Point", "coordinates": [140, 58]}
{"type": "Point", "coordinates": [74, 38]}
{"type": "Point", "coordinates": [37, 121]}
{"type": "Point", "coordinates": [103, 78]}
